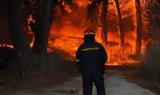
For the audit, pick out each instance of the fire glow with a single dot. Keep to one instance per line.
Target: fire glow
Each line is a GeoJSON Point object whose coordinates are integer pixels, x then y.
{"type": "Point", "coordinates": [67, 32]}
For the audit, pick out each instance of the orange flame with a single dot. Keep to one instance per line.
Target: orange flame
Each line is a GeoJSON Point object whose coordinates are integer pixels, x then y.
{"type": "Point", "coordinates": [67, 33]}
{"type": "Point", "coordinates": [30, 18]}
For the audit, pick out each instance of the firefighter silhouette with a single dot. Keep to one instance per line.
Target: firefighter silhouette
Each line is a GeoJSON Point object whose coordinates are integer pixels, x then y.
{"type": "Point", "coordinates": [91, 57]}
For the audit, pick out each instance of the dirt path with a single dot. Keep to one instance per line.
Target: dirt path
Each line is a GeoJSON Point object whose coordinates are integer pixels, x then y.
{"type": "Point", "coordinates": [115, 85]}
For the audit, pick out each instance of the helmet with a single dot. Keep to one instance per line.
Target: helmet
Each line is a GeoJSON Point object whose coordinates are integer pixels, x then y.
{"type": "Point", "coordinates": [89, 31]}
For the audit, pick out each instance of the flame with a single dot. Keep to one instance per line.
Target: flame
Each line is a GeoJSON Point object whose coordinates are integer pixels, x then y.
{"type": "Point", "coordinates": [67, 33]}
{"type": "Point", "coordinates": [30, 18]}
{"type": "Point", "coordinates": [82, 3]}
{"type": "Point", "coordinates": [67, 30]}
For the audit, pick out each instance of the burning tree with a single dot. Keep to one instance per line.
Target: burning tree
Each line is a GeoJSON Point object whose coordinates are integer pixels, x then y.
{"type": "Point", "coordinates": [108, 20]}
{"type": "Point", "coordinates": [152, 23]}
{"type": "Point", "coordinates": [120, 23]}
{"type": "Point", "coordinates": [139, 26]}
{"type": "Point", "coordinates": [117, 20]}
{"type": "Point", "coordinates": [102, 5]}
{"type": "Point", "coordinates": [104, 20]}
{"type": "Point", "coordinates": [18, 36]}
{"type": "Point", "coordinates": [152, 19]}
{"type": "Point", "coordinates": [42, 13]}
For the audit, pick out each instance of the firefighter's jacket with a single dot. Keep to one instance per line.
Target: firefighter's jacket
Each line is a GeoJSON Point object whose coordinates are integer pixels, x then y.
{"type": "Point", "coordinates": [91, 57]}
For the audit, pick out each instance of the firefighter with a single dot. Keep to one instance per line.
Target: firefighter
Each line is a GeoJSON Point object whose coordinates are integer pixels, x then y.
{"type": "Point", "coordinates": [91, 56]}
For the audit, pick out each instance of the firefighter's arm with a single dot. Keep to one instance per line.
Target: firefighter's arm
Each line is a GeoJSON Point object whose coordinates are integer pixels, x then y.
{"type": "Point", "coordinates": [78, 57]}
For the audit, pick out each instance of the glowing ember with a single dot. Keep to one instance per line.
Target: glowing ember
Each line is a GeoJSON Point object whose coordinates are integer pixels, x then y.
{"type": "Point", "coordinates": [6, 45]}
{"type": "Point", "coordinates": [30, 18]}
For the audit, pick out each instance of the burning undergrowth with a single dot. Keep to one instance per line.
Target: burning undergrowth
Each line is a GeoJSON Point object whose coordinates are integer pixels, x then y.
{"type": "Point", "coordinates": [120, 38]}
{"type": "Point", "coordinates": [67, 30]}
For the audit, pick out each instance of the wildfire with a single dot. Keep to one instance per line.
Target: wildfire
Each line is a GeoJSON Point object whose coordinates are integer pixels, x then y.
{"type": "Point", "coordinates": [67, 29]}
{"type": "Point", "coordinates": [67, 34]}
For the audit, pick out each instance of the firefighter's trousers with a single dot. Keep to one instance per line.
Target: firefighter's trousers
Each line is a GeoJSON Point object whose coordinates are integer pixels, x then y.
{"type": "Point", "coordinates": [93, 78]}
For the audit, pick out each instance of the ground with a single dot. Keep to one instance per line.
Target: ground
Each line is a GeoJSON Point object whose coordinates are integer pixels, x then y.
{"type": "Point", "coordinates": [116, 83]}
{"type": "Point", "coordinates": [63, 78]}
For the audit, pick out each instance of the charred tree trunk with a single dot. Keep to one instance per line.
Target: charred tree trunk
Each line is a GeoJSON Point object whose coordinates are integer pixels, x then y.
{"type": "Point", "coordinates": [104, 20]}
{"type": "Point", "coordinates": [92, 7]}
{"type": "Point", "coordinates": [45, 24]}
{"type": "Point", "coordinates": [18, 36]}
{"type": "Point", "coordinates": [42, 28]}
{"type": "Point", "coordinates": [120, 23]}
{"type": "Point", "coordinates": [92, 16]}
{"type": "Point", "coordinates": [139, 27]}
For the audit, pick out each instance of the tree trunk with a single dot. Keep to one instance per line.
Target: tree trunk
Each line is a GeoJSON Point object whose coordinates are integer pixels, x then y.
{"type": "Point", "coordinates": [92, 7]}
{"type": "Point", "coordinates": [120, 23]}
{"type": "Point", "coordinates": [104, 20]}
{"type": "Point", "coordinates": [43, 25]}
{"type": "Point", "coordinates": [41, 30]}
{"type": "Point", "coordinates": [18, 37]}
{"type": "Point", "coordinates": [139, 26]}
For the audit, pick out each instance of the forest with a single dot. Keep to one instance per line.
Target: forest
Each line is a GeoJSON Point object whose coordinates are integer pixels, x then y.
{"type": "Point", "coordinates": [35, 35]}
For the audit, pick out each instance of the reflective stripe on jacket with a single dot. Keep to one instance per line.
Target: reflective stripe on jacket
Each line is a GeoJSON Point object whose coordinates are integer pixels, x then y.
{"type": "Point", "coordinates": [91, 57]}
